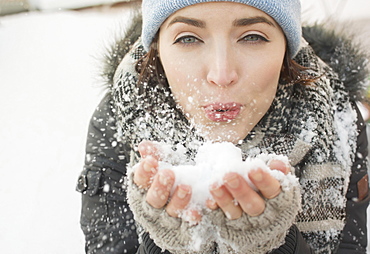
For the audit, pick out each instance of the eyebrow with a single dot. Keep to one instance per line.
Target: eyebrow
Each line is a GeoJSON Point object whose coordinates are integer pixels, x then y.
{"type": "Point", "coordinates": [237, 22]}
{"type": "Point", "coordinates": [251, 21]}
{"type": "Point", "coordinates": [189, 21]}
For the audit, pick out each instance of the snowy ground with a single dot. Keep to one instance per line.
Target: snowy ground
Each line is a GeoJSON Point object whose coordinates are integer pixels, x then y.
{"type": "Point", "coordinates": [48, 92]}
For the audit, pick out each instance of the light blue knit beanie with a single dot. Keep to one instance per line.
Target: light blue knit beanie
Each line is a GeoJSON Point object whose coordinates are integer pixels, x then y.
{"type": "Point", "coordinates": [287, 13]}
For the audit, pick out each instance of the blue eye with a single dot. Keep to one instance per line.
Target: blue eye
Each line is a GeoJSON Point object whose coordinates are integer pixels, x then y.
{"type": "Point", "coordinates": [188, 39]}
{"type": "Point", "coordinates": [254, 38]}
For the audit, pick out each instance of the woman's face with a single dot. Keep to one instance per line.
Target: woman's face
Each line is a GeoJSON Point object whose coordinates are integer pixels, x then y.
{"type": "Point", "coordinates": [222, 61]}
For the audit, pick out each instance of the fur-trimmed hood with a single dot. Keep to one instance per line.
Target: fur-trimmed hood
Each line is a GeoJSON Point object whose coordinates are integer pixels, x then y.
{"type": "Point", "coordinates": [348, 60]}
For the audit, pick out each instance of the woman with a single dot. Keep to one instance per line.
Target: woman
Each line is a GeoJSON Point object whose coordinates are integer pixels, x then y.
{"type": "Point", "coordinates": [224, 71]}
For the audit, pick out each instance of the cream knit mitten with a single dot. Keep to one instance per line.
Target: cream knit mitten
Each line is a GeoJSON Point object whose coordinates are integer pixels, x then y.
{"type": "Point", "coordinates": [262, 233]}
{"type": "Point", "coordinates": [168, 233]}
{"type": "Point", "coordinates": [245, 235]}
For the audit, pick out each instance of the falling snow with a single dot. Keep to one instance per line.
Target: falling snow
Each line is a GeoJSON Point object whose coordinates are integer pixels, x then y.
{"type": "Point", "coordinates": [47, 71]}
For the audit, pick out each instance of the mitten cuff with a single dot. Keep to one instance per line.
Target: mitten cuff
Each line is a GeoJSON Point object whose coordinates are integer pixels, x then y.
{"type": "Point", "coordinates": [265, 232]}
{"type": "Point", "coordinates": [168, 233]}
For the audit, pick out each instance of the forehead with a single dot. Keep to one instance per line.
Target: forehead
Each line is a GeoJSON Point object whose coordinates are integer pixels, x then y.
{"type": "Point", "coordinates": [219, 11]}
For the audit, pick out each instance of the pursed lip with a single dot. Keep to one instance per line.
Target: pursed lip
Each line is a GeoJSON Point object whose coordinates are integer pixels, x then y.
{"type": "Point", "coordinates": [222, 112]}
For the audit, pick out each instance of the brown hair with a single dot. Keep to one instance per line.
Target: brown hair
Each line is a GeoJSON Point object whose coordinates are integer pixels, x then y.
{"type": "Point", "coordinates": [150, 69]}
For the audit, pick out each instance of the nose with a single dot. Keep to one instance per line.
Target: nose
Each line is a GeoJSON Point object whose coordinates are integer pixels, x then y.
{"type": "Point", "coordinates": [222, 69]}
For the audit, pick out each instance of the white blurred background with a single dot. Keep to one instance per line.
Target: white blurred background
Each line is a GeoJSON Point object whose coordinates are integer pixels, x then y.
{"type": "Point", "coordinates": [49, 62]}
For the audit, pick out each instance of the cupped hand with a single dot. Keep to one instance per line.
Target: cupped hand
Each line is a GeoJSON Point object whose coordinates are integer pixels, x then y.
{"type": "Point", "coordinates": [160, 183]}
{"type": "Point", "coordinates": [235, 196]}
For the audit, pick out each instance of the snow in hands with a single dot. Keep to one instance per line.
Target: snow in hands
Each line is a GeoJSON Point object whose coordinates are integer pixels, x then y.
{"type": "Point", "coordinates": [210, 165]}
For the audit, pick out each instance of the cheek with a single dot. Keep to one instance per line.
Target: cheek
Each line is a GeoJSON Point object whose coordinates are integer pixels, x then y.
{"type": "Point", "coordinates": [182, 79]}
{"type": "Point", "coordinates": [269, 87]}
{"type": "Point", "coordinates": [265, 82]}
{"type": "Point", "coordinates": [183, 88]}
{"type": "Point", "coordinates": [181, 85]}
{"type": "Point", "coordinates": [270, 72]}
